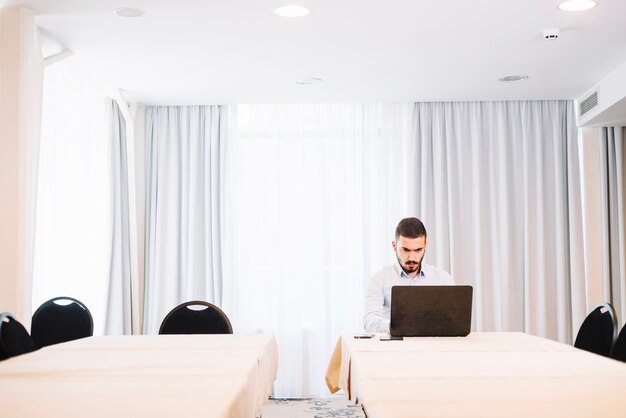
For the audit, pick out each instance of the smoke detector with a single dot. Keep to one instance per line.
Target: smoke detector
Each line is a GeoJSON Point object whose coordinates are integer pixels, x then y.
{"type": "Point", "coordinates": [551, 34]}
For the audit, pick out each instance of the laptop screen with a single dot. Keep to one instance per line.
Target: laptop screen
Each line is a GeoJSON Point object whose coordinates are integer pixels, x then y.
{"type": "Point", "coordinates": [431, 311]}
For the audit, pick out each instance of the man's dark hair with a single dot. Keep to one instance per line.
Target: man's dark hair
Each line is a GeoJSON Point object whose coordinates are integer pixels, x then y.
{"type": "Point", "coordinates": [410, 228]}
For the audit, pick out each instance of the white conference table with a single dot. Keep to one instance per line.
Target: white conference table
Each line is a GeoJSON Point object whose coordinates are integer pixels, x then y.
{"type": "Point", "coordinates": [481, 375]}
{"type": "Point", "coordinates": [149, 375]}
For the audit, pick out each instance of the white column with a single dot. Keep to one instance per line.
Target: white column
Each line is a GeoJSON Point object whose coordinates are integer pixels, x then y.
{"type": "Point", "coordinates": [21, 70]}
{"type": "Point", "coordinates": [140, 183]}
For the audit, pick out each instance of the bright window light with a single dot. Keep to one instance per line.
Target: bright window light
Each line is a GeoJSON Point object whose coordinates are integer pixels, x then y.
{"type": "Point", "coordinates": [74, 195]}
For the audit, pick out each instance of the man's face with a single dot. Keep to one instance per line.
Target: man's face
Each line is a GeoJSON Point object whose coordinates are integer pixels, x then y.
{"type": "Point", "coordinates": [410, 253]}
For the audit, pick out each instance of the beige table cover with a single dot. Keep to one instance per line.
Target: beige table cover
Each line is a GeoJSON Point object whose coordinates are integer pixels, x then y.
{"type": "Point", "coordinates": [156, 376]}
{"type": "Point", "coordinates": [482, 375]}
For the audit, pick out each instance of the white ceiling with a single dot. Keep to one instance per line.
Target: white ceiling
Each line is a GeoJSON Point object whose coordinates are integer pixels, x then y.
{"type": "Point", "coordinates": [239, 51]}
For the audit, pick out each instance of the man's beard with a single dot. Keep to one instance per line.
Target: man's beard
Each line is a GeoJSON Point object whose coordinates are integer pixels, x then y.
{"type": "Point", "coordinates": [411, 266]}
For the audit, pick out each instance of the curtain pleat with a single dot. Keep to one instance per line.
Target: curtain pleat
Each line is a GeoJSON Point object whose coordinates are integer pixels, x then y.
{"type": "Point", "coordinates": [118, 298]}
{"type": "Point", "coordinates": [183, 222]}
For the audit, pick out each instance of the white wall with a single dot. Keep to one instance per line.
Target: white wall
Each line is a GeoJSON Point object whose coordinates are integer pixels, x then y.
{"type": "Point", "coordinates": [593, 220]}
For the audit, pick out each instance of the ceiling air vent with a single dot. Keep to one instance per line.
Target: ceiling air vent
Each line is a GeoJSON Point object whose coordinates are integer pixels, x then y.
{"type": "Point", "coordinates": [589, 103]}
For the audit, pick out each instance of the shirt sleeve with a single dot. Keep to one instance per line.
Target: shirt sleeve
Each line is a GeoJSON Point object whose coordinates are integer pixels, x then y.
{"type": "Point", "coordinates": [373, 320]}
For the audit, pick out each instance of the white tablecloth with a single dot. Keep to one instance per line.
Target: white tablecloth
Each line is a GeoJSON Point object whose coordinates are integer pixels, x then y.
{"type": "Point", "coordinates": [482, 375]}
{"type": "Point", "coordinates": [155, 376]}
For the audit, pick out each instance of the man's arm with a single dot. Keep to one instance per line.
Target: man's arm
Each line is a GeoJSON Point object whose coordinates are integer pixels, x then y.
{"type": "Point", "coordinates": [373, 320]}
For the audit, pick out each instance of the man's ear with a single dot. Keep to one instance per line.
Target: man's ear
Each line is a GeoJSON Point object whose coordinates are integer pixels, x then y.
{"type": "Point", "coordinates": [393, 244]}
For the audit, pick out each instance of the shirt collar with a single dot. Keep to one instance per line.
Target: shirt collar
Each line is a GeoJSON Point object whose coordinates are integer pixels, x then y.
{"type": "Point", "coordinates": [401, 272]}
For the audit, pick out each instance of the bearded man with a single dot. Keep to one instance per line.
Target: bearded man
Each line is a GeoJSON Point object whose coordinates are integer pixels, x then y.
{"type": "Point", "coordinates": [410, 247]}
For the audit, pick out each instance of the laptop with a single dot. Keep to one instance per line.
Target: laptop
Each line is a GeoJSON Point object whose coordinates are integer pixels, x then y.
{"type": "Point", "coordinates": [431, 311]}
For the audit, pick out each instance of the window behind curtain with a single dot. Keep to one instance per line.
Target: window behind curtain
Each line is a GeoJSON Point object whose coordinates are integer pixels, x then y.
{"type": "Point", "coordinates": [312, 225]}
{"type": "Point", "coordinates": [72, 232]}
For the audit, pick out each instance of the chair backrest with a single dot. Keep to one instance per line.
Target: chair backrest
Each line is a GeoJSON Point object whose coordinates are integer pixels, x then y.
{"type": "Point", "coordinates": [598, 331]}
{"type": "Point", "coordinates": [55, 322]}
{"type": "Point", "coordinates": [618, 352]}
{"type": "Point", "coordinates": [14, 339]}
{"type": "Point", "coordinates": [183, 320]}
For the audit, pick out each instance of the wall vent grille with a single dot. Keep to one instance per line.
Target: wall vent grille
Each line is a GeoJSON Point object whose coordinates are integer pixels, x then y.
{"type": "Point", "coordinates": [589, 103]}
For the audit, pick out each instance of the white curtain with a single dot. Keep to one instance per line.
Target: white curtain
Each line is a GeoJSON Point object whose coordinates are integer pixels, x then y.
{"type": "Point", "coordinates": [613, 216]}
{"type": "Point", "coordinates": [296, 209]}
{"type": "Point", "coordinates": [498, 187]}
{"type": "Point", "coordinates": [320, 189]}
{"type": "Point", "coordinates": [184, 177]}
{"type": "Point", "coordinates": [118, 314]}
{"type": "Point", "coordinates": [80, 239]}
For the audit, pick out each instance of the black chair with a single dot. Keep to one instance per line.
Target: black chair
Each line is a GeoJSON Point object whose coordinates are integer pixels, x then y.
{"type": "Point", "coordinates": [598, 331]}
{"type": "Point", "coordinates": [618, 351]}
{"type": "Point", "coordinates": [183, 320]}
{"type": "Point", "coordinates": [14, 339]}
{"type": "Point", "coordinates": [54, 322]}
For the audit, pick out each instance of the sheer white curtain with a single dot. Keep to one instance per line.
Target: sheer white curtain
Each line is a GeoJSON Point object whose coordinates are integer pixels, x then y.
{"type": "Point", "coordinates": [613, 216]}
{"type": "Point", "coordinates": [186, 152]}
{"type": "Point", "coordinates": [320, 188]}
{"type": "Point", "coordinates": [80, 241]}
{"type": "Point", "coordinates": [285, 220]}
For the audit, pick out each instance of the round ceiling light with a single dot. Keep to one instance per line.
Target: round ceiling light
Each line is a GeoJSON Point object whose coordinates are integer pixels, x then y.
{"type": "Point", "coordinates": [512, 78]}
{"type": "Point", "coordinates": [292, 10]}
{"type": "Point", "coordinates": [128, 12]}
{"type": "Point", "coordinates": [577, 5]}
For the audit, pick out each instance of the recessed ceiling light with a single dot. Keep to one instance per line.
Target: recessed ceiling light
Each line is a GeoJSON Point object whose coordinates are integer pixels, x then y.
{"type": "Point", "coordinates": [128, 12]}
{"type": "Point", "coordinates": [292, 10]}
{"type": "Point", "coordinates": [512, 78]}
{"type": "Point", "coordinates": [310, 80]}
{"type": "Point", "coordinates": [577, 5]}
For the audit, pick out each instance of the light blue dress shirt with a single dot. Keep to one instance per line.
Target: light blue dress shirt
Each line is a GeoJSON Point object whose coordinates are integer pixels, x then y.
{"type": "Point", "coordinates": [378, 294]}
